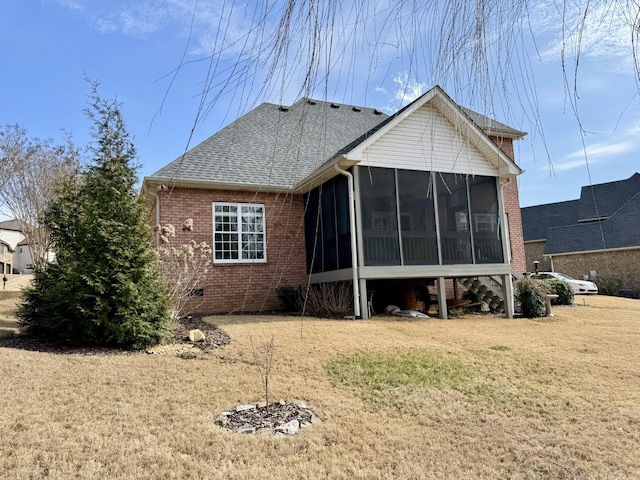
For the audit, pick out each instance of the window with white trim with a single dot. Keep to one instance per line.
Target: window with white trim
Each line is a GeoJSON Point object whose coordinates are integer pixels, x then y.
{"type": "Point", "coordinates": [238, 233]}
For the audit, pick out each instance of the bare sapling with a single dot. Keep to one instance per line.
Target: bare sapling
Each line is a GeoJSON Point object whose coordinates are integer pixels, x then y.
{"type": "Point", "coordinates": [263, 364]}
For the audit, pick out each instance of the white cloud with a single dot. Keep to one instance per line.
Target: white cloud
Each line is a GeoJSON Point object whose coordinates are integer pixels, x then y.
{"type": "Point", "coordinates": [602, 34]}
{"type": "Point", "coordinates": [596, 153]}
{"type": "Point", "coordinates": [406, 91]}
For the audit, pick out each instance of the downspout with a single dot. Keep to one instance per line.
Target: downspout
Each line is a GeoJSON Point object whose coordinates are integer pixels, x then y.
{"type": "Point", "coordinates": [505, 223]}
{"type": "Point", "coordinates": [354, 246]}
{"type": "Point", "coordinates": [157, 200]}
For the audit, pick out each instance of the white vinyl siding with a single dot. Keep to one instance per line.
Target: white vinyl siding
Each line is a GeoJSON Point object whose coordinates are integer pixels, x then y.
{"type": "Point", "coordinates": [427, 141]}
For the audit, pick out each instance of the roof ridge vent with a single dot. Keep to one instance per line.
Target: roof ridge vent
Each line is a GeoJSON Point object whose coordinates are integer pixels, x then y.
{"type": "Point", "coordinates": [283, 108]}
{"type": "Point", "coordinates": [356, 109]}
{"type": "Point", "coordinates": [311, 102]}
{"type": "Point", "coordinates": [377, 112]}
{"type": "Point", "coordinates": [335, 105]}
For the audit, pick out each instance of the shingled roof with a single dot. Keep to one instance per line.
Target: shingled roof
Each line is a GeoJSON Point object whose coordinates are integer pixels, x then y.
{"type": "Point", "coordinates": [537, 220]}
{"type": "Point", "coordinates": [574, 226]}
{"type": "Point", "coordinates": [272, 145]}
{"type": "Point", "coordinates": [620, 230]}
{"type": "Point", "coordinates": [608, 197]}
{"type": "Point", "coordinates": [277, 147]}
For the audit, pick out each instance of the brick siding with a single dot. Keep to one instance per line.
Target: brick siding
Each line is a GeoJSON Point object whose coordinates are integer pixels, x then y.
{"type": "Point", "coordinates": [619, 264]}
{"type": "Point", "coordinates": [535, 251]}
{"type": "Point", "coordinates": [241, 287]}
{"type": "Point", "coordinates": [512, 208]}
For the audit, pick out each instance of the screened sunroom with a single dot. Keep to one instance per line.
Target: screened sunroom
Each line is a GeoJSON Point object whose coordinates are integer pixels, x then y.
{"type": "Point", "coordinates": [409, 225]}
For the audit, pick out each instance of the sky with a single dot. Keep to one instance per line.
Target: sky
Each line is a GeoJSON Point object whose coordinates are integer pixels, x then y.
{"type": "Point", "coordinates": [157, 57]}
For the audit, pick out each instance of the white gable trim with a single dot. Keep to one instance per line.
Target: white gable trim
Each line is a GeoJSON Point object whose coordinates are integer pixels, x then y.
{"type": "Point", "coordinates": [471, 134]}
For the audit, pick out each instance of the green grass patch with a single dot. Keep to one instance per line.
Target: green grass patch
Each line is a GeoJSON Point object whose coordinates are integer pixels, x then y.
{"type": "Point", "coordinates": [403, 381]}
{"type": "Point", "coordinates": [499, 348]}
{"type": "Point", "coordinates": [400, 379]}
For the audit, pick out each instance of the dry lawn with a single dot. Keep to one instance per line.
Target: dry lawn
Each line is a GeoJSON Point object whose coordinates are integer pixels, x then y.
{"type": "Point", "coordinates": [553, 398]}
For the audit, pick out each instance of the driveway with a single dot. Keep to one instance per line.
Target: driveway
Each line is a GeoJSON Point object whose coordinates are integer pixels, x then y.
{"type": "Point", "coordinates": [9, 298]}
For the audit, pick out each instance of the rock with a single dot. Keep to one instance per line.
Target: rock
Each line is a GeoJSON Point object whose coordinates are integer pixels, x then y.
{"type": "Point", "coordinates": [243, 408]}
{"type": "Point", "coordinates": [289, 428]}
{"type": "Point", "coordinates": [196, 335]}
{"type": "Point", "coordinates": [279, 435]}
{"type": "Point", "coordinates": [315, 420]}
{"type": "Point", "coordinates": [247, 429]}
{"type": "Point", "coordinates": [300, 403]}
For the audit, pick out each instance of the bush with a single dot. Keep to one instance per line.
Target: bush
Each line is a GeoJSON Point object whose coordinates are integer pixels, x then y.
{"type": "Point", "coordinates": [329, 300]}
{"type": "Point", "coordinates": [562, 289]}
{"type": "Point", "coordinates": [292, 297]}
{"type": "Point", "coordinates": [104, 287]}
{"type": "Point", "coordinates": [531, 295]}
{"type": "Point", "coordinates": [608, 285]}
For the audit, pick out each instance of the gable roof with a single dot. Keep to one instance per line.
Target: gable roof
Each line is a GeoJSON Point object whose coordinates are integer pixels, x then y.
{"type": "Point", "coordinates": [537, 220]}
{"type": "Point", "coordinates": [455, 115]}
{"type": "Point", "coordinates": [280, 148]}
{"type": "Point", "coordinates": [574, 226]}
{"type": "Point", "coordinates": [620, 230]}
{"type": "Point", "coordinates": [12, 225]}
{"type": "Point", "coordinates": [608, 197]}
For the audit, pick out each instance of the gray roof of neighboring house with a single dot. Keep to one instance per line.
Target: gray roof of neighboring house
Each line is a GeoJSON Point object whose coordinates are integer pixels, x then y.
{"type": "Point", "coordinates": [574, 226]}
{"type": "Point", "coordinates": [620, 230]}
{"type": "Point", "coordinates": [10, 225]}
{"type": "Point", "coordinates": [279, 146]}
{"type": "Point", "coordinates": [538, 219]}
{"type": "Point", "coordinates": [608, 197]}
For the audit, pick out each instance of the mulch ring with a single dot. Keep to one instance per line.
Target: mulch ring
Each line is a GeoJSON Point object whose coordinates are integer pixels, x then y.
{"type": "Point", "coordinates": [280, 419]}
{"type": "Point", "coordinates": [178, 344]}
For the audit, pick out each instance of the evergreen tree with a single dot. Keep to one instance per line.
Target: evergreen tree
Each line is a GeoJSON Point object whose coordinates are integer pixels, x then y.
{"type": "Point", "coordinates": [104, 287]}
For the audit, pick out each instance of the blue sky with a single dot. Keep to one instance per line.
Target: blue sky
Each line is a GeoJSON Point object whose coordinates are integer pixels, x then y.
{"type": "Point", "coordinates": [134, 48]}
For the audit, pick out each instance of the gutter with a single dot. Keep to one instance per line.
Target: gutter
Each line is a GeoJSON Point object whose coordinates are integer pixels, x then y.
{"type": "Point", "coordinates": [354, 246]}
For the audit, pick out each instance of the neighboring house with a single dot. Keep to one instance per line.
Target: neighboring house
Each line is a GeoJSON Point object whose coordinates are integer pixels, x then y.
{"type": "Point", "coordinates": [598, 234]}
{"type": "Point", "coordinates": [6, 258]}
{"type": "Point", "coordinates": [323, 192]}
{"type": "Point", "coordinates": [23, 262]}
{"type": "Point", "coordinates": [11, 234]}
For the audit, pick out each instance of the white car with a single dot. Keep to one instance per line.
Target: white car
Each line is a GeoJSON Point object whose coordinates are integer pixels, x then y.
{"type": "Point", "coordinates": [579, 286]}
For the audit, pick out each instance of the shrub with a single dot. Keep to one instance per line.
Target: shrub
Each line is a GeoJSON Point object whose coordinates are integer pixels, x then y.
{"type": "Point", "coordinates": [104, 287]}
{"type": "Point", "coordinates": [531, 295]}
{"type": "Point", "coordinates": [291, 297]}
{"type": "Point", "coordinates": [608, 285]}
{"type": "Point", "coordinates": [562, 289]}
{"type": "Point", "coordinates": [329, 300]}
{"type": "Point", "coordinates": [184, 268]}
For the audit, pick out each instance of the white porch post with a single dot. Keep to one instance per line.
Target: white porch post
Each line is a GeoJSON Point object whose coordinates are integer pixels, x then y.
{"type": "Point", "coordinates": [507, 291]}
{"type": "Point", "coordinates": [442, 299]}
{"type": "Point", "coordinates": [364, 299]}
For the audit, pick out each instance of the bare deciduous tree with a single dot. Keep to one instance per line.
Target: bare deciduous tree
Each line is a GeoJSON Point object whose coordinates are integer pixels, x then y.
{"type": "Point", "coordinates": [30, 171]}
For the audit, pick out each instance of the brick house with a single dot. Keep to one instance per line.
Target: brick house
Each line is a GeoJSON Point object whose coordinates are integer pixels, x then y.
{"type": "Point", "coordinates": [595, 235]}
{"type": "Point", "coordinates": [323, 192]}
